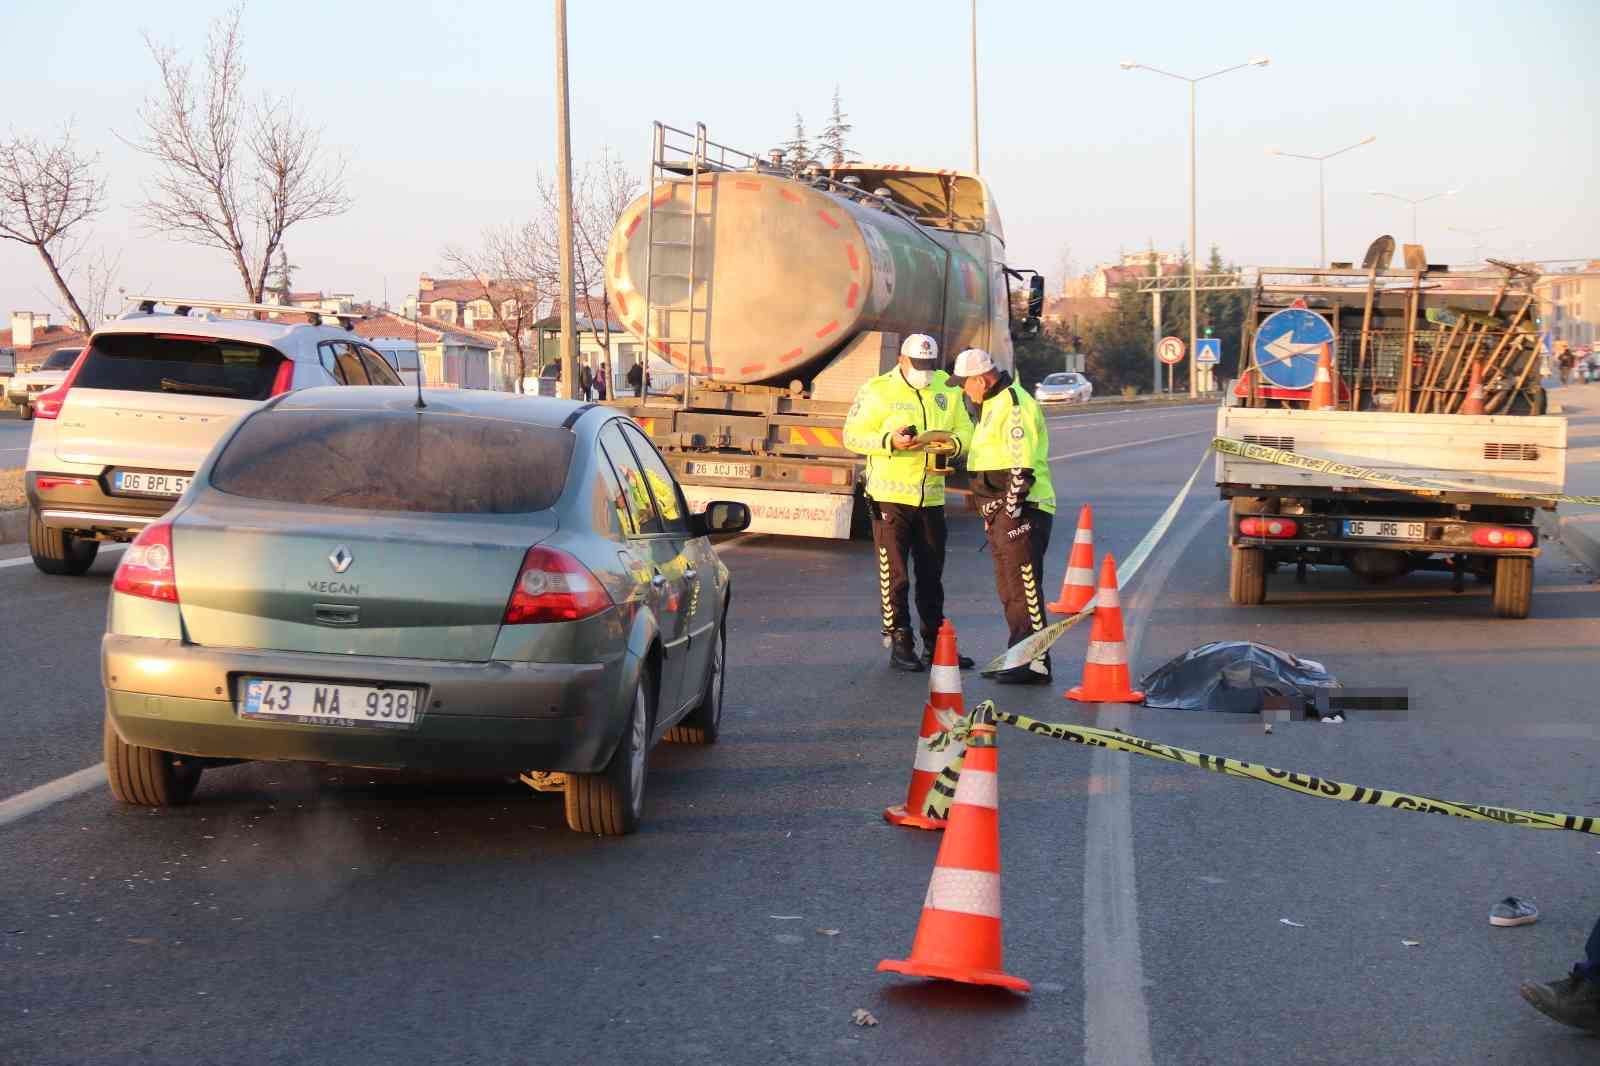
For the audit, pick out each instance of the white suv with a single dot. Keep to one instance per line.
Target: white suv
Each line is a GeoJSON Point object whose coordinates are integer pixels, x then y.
{"type": "Point", "coordinates": [115, 444]}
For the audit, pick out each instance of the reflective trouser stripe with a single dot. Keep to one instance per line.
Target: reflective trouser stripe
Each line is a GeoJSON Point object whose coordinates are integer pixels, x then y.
{"type": "Point", "coordinates": [964, 891]}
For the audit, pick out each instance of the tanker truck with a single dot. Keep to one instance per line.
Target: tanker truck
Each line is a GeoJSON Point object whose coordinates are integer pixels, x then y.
{"type": "Point", "coordinates": [776, 292]}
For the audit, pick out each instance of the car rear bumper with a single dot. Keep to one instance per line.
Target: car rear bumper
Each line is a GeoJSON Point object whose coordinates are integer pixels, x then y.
{"type": "Point", "coordinates": [86, 505]}
{"type": "Point", "coordinates": [499, 716]}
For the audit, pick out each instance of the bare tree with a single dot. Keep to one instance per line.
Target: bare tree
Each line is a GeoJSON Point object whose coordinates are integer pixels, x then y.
{"type": "Point", "coordinates": [93, 276]}
{"type": "Point", "coordinates": [231, 175]}
{"type": "Point", "coordinates": [48, 189]}
{"type": "Point", "coordinates": [511, 269]}
{"type": "Point", "coordinates": [601, 190]}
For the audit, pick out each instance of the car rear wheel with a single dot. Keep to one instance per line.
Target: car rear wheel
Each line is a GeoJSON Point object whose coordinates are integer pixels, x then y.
{"type": "Point", "coordinates": [704, 724]}
{"type": "Point", "coordinates": [147, 777]}
{"type": "Point", "coordinates": [55, 552]}
{"type": "Point", "coordinates": [611, 802]}
{"type": "Point", "coordinates": [24, 411]}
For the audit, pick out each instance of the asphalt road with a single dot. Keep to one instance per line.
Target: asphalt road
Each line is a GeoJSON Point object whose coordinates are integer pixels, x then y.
{"type": "Point", "coordinates": [293, 914]}
{"type": "Point", "coordinates": [13, 439]}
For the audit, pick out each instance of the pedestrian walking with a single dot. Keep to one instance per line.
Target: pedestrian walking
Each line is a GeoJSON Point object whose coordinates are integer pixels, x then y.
{"type": "Point", "coordinates": [585, 380]}
{"type": "Point", "coordinates": [1574, 999]}
{"type": "Point", "coordinates": [1565, 361]}
{"type": "Point", "coordinates": [638, 381]}
{"type": "Point", "coordinates": [602, 381]}
{"type": "Point", "coordinates": [890, 423]}
{"type": "Point", "coordinates": [1009, 462]}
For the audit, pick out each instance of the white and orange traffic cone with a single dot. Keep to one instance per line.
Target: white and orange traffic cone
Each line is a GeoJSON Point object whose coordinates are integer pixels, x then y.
{"type": "Point", "coordinates": [1473, 404]}
{"type": "Point", "coordinates": [1322, 385]}
{"type": "Point", "coordinates": [1105, 669]}
{"type": "Point", "coordinates": [941, 711]}
{"type": "Point", "coordinates": [1077, 586]}
{"type": "Point", "coordinates": [959, 937]}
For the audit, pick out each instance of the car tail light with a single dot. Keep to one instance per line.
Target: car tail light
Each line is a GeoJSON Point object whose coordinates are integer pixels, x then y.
{"type": "Point", "coordinates": [46, 482]}
{"type": "Point", "coordinates": [554, 587]}
{"type": "Point", "coordinates": [1502, 538]}
{"type": "Point", "coordinates": [1268, 527]}
{"type": "Point", "coordinates": [147, 566]}
{"type": "Point", "coordinates": [48, 404]}
{"type": "Point", "coordinates": [283, 380]}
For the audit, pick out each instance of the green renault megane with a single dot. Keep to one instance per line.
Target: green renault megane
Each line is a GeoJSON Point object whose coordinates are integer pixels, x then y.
{"type": "Point", "coordinates": [481, 581]}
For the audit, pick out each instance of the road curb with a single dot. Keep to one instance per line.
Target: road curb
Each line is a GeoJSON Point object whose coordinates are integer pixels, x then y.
{"type": "Point", "coordinates": [1579, 534]}
{"type": "Point", "coordinates": [14, 526]}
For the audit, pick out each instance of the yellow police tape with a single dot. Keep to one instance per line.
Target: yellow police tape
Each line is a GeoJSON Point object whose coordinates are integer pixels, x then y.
{"type": "Point", "coordinates": [1034, 645]}
{"type": "Point", "coordinates": [1305, 784]}
{"type": "Point", "coordinates": [1317, 464]}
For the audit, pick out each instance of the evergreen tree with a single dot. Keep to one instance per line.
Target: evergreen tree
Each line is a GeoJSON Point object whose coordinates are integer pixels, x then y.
{"type": "Point", "coordinates": [797, 151]}
{"type": "Point", "coordinates": [833, 145]}
{"type": "Point", "coordinates": [280, 279]}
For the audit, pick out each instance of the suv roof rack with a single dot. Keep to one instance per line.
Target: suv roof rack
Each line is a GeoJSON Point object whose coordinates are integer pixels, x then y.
{"type": "Point", "coordinates": [182, 306]}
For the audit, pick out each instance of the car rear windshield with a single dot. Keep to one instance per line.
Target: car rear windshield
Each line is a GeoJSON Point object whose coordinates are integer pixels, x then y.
{"type": "Point", "coordinates": [195, 366]}
{"type": "Point", "coordinates": [396, 461]}
{"type": "Point", "coordinates": [60, 359]}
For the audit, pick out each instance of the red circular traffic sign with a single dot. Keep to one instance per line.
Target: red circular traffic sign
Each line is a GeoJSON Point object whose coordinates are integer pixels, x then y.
{"type": "Point", "coordinates": [1170, 350]}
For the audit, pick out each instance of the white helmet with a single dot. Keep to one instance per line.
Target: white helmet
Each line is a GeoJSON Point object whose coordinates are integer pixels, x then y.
{"type": "Point", "coordinates": [922, 350]}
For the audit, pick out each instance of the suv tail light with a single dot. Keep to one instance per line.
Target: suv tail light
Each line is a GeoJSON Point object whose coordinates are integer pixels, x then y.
{"type": "Point", "coordinates": [1502, 538]}
{"type": "Point", "coordinates": [147, 566]}
{"type": "Point", "coordinates": [1269, 527]}
{"type": "Point", "coordinates": [283, 380]}
{"type": "Point", "coordinates": [48, 404]}
{"type": "Point", "coordinates": [554, 587]}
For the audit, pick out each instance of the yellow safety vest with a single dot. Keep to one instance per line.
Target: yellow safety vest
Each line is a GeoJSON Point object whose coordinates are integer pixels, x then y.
{"type": "Point", "coordinates": [886, 404]}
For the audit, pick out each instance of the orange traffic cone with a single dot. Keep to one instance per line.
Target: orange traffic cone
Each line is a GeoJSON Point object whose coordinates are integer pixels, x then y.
{"type": "Point", "coordinates": [1322, 385]}
{"type": "Point", "coordinates": [1105, 669]}
{"type": "Point", "coordinates": [958, 938]}
{"type": "Point", "coordinates": [938, 714]}
{"type": "Point", "coordinates": [1473, 404]}
{"type": "Point", "coordinates": [1077, 587]}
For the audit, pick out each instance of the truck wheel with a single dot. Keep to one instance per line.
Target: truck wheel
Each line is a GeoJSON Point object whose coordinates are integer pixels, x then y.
{"type": "Point", "coordinates": [1513, 587]}
{"type": "Point", "coordinates": [55, 552]}
{"type": "Point", "coordinates": [147, 777]}
{"type": "Point", "coordinates": [24, 412]}
{"type": "Point", "coordinates": [1247, 577]}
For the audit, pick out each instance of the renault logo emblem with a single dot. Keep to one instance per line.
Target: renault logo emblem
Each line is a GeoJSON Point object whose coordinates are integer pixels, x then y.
{"type": "Point", "coordinates": [340, 559]}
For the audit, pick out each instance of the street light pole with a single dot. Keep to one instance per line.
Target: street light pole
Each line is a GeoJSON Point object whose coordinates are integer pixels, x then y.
{"type": "Point", "coordinates": [975, 86]}
{"type": "Point", "coordinates": [1194, 265]}
{"type": "Point", "coordinates": [569, 325]}
{"type": "Point", "coordinates": [1414, 202]}
{"type": "Point", "coordinates": [1322, 189]}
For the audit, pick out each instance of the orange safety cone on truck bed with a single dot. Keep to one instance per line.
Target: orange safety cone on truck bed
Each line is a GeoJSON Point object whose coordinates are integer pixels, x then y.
{"type": "Point", "coordinates": [1077, 586]}
{"type": "Point", "coordinates": [958, 938]}
{"type": "Point", "coordinates": [1105, 668]}
{"type": "Point", "coordinates": [1473, 404]}
{"type": "Point", "coordinates": [1322, 385]}
{"type": "Point", "coordinates": [938, 714]}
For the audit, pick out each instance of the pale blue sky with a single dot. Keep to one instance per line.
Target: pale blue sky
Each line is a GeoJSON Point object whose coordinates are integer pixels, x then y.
{"type": "Point", "coordinates": [445, 111]}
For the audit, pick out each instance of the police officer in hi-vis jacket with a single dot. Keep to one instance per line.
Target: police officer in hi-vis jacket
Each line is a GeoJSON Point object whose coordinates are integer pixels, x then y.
{"type": "Point", "coordinates": [1009, 461]}
{"type": "Point", "coordinates": [889, 423]}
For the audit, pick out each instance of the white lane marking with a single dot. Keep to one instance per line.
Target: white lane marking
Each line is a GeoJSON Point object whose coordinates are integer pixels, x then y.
{"type": "Point", "coordinates": [1116, 1015]}
{"type": "Point", "coordinates": [1126, 444]}
{"type": "Point", "coordinates": [105, 549]}
{"type": "Point", "coordinates": [62, 788]}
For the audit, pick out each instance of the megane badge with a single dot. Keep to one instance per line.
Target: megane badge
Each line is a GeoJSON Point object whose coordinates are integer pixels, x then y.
{"type": "Point", "coordinates": [341, 559]}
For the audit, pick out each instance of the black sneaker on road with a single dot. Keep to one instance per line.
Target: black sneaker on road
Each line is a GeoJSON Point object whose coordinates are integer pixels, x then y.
{"type": "Point", "coordinates": [903, 653]}
{"type": "Point", "coordinates": [1570, 1000]}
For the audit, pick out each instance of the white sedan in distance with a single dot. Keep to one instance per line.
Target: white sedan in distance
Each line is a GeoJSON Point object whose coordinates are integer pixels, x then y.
{"type": "Point", "coordinates": [1064, 387]}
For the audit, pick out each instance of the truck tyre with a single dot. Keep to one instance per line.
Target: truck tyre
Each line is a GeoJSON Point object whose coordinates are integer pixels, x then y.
{"type": "Point", "coordinates": [147, 777]}
{"type": "Point", "coordinates": [55, 552]}
{"type": "Point", "coordinates": [704, 724]}
{"type": "Point", "coordinates": [1513, 586]}
{"type": "Point", "coordinates": [24, 411]}
{"type": "Point", "coordinates": [610, 803]}
{"type": "Point", "coordinates": [1247, 577]}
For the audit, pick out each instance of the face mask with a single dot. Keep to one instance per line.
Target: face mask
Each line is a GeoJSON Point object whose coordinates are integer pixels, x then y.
{"type": "Point", "coordinates": [919, 379]}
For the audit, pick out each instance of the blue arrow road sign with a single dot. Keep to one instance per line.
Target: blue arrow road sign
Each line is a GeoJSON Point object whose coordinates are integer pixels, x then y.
{"type": "Point", "coordinates": [1287, 345]}
{"type": "Point", "coordinates": [1207, 351]}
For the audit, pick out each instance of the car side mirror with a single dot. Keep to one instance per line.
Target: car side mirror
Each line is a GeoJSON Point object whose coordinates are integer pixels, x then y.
{"type": "Point", "coordinates": [722, 516]}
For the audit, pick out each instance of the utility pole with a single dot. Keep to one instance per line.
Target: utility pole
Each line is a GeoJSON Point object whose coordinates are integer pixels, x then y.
{"type": "Point", "coordinates": [569, 324]}
{"type": "Point", "coordinates": [975, 86]}
{"type": "Point", "coordinates": [1322, 196]}
{"type": "Point", "coordinates": [1155, 330]}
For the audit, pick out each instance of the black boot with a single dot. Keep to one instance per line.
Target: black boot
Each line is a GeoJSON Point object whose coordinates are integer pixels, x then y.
{"type": "Point", "coordinates": [903, 652]}
{"type": "Point", "coordinates": [1571, 1000]}
{"type": "Point", "coordinates": [927, 656]}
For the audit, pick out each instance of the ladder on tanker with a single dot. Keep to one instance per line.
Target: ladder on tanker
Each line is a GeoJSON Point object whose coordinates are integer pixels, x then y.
{"type": "Point", "coordinates": [676, 295]}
